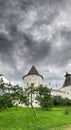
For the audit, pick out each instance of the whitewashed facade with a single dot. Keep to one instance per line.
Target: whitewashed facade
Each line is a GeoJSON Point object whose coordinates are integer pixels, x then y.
{"type": "Point", "coordinates": [65, 91]}
{"type": "Point", "coordinates": [32, 77]}
{"type": "Point", "coordinates": [58, 93]}
{"type": "Point", "coordinates": [29, 79]}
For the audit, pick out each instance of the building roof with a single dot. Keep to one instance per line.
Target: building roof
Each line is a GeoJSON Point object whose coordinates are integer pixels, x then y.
{"type": "Point", "coordinates": [1, 75]}
{"type": "Point", "coordinates": [53, 90]}
{"type": "Point", "coordinates": [33, 71]}
{"type": "Point", "coordinates": [67, 74]}
{"type": "Point", "coordinates": [67, 81]}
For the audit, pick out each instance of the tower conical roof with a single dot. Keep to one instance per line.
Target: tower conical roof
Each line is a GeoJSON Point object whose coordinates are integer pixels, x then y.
{"type": "Point", "coordinates": [67, 81]}
{"type": "Point", "coordinates": [33, 71]}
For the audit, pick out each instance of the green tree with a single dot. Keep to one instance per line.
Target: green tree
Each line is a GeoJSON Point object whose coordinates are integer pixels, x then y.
{"type": "Point", "coordinates": [44, 97]}
{"type": "Point", "coordinates": [16, 92]}
{"type": "Point", "coordinates": [24, 98]}
{"type": "Point", "coordinates": [30, 92]}
{"type": "Point", "coordinates": [2, 86]}
{"type": "Point", "coordinates": [5, 101]}
{"type": "Point", "coordinates": [9, 93]}
{"type": "Point", "coordinates": [59, 101]}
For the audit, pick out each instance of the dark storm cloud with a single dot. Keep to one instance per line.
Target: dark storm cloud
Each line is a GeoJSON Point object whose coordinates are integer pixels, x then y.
{"type": "Point", "coordinates": [35, 32]}
{"type": "Point", "coordinates": [35, 49]}
{"type": "Point", "coordinates": [61, 57]}
{"type": "Point", "coordinates": [6, 47]}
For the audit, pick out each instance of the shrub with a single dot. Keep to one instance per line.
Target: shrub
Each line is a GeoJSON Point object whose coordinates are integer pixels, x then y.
{"type": "Point", "coordinates": [5, 101]}
{"type": "Point", "coordinates": [59, 101]}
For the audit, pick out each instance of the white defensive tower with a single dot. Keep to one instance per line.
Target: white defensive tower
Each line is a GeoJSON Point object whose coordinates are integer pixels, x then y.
{"type": "Point", "coordinates": [32, 77]}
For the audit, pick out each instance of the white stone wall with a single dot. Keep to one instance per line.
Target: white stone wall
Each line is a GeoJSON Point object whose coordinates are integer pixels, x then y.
{"type": "Point", "coordinates": [37, 80]}
{"type": "Point", "coordinates": [64, 92]}
{"type": "Point", "coordinates": [29, 79]}
{"type": "Point", "coordinates": [67, 90]}
{"type": "Point", "coordinates": [58, 93]}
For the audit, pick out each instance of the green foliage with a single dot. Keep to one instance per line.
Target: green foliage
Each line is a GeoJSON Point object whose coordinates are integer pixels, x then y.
{"type": "Point", "coordinates": [44, 97]}
{"type": "Point", "coordinates": [9, 93]}
{"type": "Point", "coordinates": [59, 101]}
{"type": "Point", "coordinates": [67, 102]}
{"type": "Point", "coordinates": [29, 93]}
{"type": "Point", "coordinates": [2, 86]}
{"type": "Point", "coordinates": [24, 99]}
{"type": "Point", "coordinates": [16, 92]}
{"type": "Point", "coordinates": [5, 101]}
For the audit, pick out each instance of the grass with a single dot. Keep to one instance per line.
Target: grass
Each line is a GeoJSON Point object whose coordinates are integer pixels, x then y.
{"type": "Point", "coordinates": [23, 119]}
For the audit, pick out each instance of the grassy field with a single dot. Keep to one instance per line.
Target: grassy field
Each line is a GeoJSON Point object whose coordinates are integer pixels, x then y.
{"type": "Point", "coordinates": [24, 119]}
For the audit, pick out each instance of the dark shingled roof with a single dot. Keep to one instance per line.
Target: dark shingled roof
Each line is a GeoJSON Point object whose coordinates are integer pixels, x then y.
{"type": "Point", "coordinates": [67, 81]}
{"type": "Point", "coordinates": [33, 71]}
{"type": "Point", "coordinates": [1, 75]}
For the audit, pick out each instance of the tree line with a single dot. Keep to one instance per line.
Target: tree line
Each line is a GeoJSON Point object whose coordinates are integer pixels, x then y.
{"type": "Point", "coordinates": [41, 95]}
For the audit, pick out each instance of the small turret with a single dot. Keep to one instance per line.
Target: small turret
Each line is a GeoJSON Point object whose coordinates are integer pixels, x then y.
{"type": "Point", "coordinates": [67, 81]}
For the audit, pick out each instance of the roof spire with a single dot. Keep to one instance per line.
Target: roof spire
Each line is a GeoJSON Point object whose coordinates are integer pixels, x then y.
{"type": "Point", "coordinates": [67, 74]}
{"type": "Point", "coordinates": [67, 81]}
{"type": "Point", "coordinates": [33, 71]}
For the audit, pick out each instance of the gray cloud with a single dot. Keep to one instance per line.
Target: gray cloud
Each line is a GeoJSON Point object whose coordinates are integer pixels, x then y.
{"type": "Point", "coordinates": [35, 32]}
{"type": "Point", "coordinates": [6, 47]}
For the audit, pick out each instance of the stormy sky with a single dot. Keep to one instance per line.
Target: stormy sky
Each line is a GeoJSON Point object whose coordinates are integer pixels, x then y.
{"type": "Point", "coordinates": [35, 32]}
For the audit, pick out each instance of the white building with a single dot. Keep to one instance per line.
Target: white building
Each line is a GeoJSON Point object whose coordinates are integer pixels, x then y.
{"type": "Point", "coordinates": [65, 91]}
{"type": "Point", "coordinates": [67, 85]}
{"type": "Point", "coordinates": [32, 77]}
